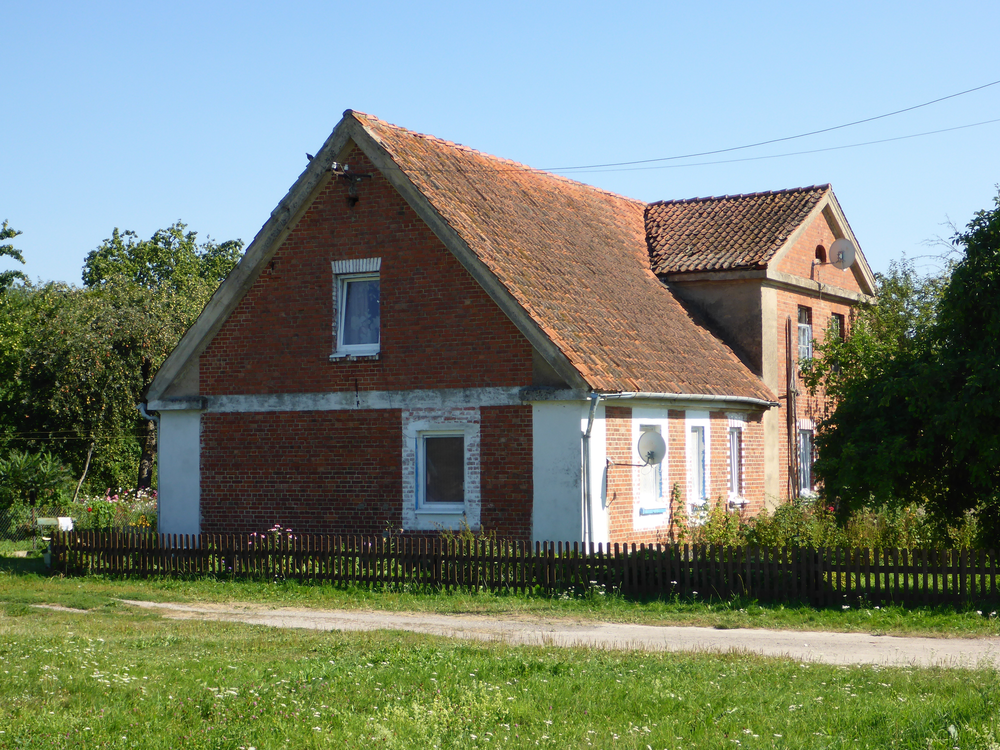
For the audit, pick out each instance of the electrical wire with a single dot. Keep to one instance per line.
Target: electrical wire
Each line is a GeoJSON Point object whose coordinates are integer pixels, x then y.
{"type": "Point", "coordinates": [797, 153]}
{"type": "Point", "coordinates": [775, 140]}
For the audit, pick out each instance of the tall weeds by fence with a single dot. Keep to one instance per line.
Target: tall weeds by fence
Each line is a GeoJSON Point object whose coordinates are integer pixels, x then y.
{"type": "Point", "coordinates": [824, 576]}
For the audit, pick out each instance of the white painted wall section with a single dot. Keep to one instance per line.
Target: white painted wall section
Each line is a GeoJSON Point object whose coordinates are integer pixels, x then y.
{"type": "Point", "coordinates": [599, 476]}
{"type": "Point", "coordinates": [557, 509]}
{"type": "Point", "coordinates": [179, 457]}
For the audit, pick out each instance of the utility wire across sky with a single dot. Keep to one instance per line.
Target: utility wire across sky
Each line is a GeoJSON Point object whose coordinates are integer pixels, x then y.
{"type": "Point", "coordinates": [785, 138]}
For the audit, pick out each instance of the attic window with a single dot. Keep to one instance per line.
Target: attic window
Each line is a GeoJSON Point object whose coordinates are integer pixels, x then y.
{"type": "Point", "coordinates": [820, 253]}
{"type": "Point", "coordinates": [357, 308]}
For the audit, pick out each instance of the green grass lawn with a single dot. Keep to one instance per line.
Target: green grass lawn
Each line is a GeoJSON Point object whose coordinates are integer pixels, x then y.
{"type": "Point", "coordinates": [114, 677]}
{"type": "Point", "coordinates": [25, 581]}
{"type": "Point", "coordinates": [120, 679]}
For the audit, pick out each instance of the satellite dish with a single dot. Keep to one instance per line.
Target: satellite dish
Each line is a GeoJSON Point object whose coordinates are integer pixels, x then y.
{"type": "Point", "coordinates": [652, 447]}
{"type": "Point", "coordinates": [842, 254]}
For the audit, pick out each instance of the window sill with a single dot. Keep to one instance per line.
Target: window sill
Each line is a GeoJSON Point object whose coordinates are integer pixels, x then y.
{"type": "Point", "coordinates": [737, 501]}
{"type": "Point", "coordinates": [652, 511]}
{"type": "Point", "coordinates": [445, 510]}
{"type": "Point", "coordinates": [354, 357]}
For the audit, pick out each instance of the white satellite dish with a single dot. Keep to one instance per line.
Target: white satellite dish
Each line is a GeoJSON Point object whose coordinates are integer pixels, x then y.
{"type": "Point", "coordinates": [842, 254]}
{"type": "Point", "coordinates": [652, 448]}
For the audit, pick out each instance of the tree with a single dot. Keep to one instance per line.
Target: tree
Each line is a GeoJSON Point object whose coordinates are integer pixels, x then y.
{"type": "Point", "coordinates": [84, 357]}
{"type": "Point", "coordinates": [7, 278]}
{"type": "Point", "coordinates": [917, 390]}
{"type": "Point", "coordinates": [171, 258]}
{"type": "Point", "coordinates": [172, 265]}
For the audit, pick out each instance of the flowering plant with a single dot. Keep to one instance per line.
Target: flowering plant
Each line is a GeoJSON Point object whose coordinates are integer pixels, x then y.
{"type": "Point", "coordinates": [121, 508]}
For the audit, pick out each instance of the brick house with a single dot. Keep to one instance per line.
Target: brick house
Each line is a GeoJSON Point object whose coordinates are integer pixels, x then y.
{"type": "Point", "coordinates": [423, 336]}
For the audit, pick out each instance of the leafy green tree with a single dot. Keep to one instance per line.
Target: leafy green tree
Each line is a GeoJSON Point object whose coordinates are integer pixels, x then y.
{"type": "Point", "coordinates": [85, 356]}
{"type": "Point", "coordinates": [7, 278]}
{"type": "Point", "coordinates": [170, 259]}
{"type": "Point", "coordinates": [916, 391]}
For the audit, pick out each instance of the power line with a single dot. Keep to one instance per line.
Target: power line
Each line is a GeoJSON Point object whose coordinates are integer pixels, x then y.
{"type": "Point", "coordinates": [774, 140]}
{"type": "Point", "coordinates": [798, 153]}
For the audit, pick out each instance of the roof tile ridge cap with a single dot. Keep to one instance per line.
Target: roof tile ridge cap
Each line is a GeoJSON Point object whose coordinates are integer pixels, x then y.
{"type": "Point", "coordinates": [737, 196]}
{"type": "Point", "coordinates": [520, 166]}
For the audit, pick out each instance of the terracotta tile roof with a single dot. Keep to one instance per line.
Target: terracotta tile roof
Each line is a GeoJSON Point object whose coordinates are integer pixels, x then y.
{"type": "Point", "coordinates": [728, 232]}
{"type": "Point", "coordinates": [575, 258]}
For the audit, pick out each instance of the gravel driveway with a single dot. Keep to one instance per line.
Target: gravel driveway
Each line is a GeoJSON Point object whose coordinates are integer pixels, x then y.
{"type": "Point", "coordinates": [806, 646]}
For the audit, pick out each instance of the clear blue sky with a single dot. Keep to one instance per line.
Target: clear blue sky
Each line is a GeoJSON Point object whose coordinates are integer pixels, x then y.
{"type": "Point", "coordinates": [135, 115]}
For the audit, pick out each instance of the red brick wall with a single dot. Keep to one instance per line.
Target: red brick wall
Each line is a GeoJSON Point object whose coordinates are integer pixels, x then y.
{"type": "Point", "coordinates": [505, 458]}
{"type": "Point", "coordinates": [620, 488]}
{"type": "Point", "coordinates": [332, 472]}
{"type": "Point", "coordinates": [809, 406]}
{"type": "Point", "coordinates": [439, 329]}
{"type": "Point", "coordinates": [798, 261]}
{"type": "Point", "coordinates": [620, 498]}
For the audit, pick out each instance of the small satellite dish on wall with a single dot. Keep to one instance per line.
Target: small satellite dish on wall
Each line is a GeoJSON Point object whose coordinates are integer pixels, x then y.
{"type": "Point", "coordinates": [652, 448]}
{"type": "Point", "coordinates": [842, 254]}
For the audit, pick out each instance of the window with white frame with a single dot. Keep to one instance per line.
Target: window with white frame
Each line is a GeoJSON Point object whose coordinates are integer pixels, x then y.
{"type": "Point", "coordinates": [652, 500]}
{"type": "Point", "coordinates": [441, 470]}
{"type": "Point", "coordinates": [805, 333]}
{"type": "Point", "coordinates": [837, 327]}
{"type": "Point", "coordinates": [357, 308]}
{"type": "Point", "coordinates": [697, 444]}
{"type": "Point", "coordinates": [806, 461]}
{"type": "Point", "coordinates": [736, 486]}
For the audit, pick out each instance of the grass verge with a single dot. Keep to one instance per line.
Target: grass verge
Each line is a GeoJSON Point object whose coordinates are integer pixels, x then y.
{"type": "Point", "coordinates": [130, 680]}
{"type": "Point", "coordinates": [25, 581]}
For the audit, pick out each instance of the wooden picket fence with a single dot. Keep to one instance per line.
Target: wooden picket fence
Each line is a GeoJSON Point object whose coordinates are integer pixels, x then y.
{"type": "Point", "coordinates": [823, 577]}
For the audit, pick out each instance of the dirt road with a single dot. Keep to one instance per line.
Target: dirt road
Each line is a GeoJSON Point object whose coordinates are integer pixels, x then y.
{"type": "Point", "coordinates": [828, 648]}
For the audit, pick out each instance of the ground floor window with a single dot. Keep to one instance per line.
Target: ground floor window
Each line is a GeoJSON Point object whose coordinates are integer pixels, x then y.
{"type": "Point", "coordinates": [441, 481]}
{"type": "Point", "coordinates": [651, 496]}
{"type": "Point", "coordinates": [735, 463]}
{"type": "Point", "coordinates": [698, 461]}
{"type": "Point", "coordinates": [806, 461]}
{"type": "Point", "coordinates": [442, 466]}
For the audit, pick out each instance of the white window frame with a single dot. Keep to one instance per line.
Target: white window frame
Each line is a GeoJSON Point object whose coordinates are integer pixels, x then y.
{"type": "Point", "coordinates": [692, 420]}
{"type": "Point", "coordinates": [805, 334]}
{"type": "Point", "coordinates": [345, 272]}
{"type": "Point", "coordinates": [418, 424]}
{"type": "Point", "coordinates": [431, 506]}
{"type": "Point", "coordinates": [807, 481]}
{"type": "Point", "coordinates": [737, 427]}
{"type": "Point", "coordinates": [655, 504]}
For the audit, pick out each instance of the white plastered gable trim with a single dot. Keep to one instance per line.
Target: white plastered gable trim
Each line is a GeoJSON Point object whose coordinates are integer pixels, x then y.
{"type": "Point", "coordinates": [417, 423]}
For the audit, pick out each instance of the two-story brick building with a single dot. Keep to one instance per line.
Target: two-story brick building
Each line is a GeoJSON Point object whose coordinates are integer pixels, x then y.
{"type": "Point", "coordinates": [423, 337]}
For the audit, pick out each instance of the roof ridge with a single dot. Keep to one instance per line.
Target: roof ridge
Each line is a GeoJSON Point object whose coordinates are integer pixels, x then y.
{"type": "Point", "coordinates": [516, 165]}
{"type": "Point", "coordinates": [738, 196]}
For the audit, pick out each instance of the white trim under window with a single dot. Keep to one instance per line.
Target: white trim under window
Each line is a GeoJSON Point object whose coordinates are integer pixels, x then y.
{"type": "Point", "coordinates": [445, 436]}
{"type": "Point", "coordinates": [356, 308]}
{"type": "Point", "coordinates": [698, 447]}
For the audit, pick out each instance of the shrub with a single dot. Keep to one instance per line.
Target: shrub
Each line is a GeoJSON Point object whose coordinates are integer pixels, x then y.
{"type": "Point", "coordinates": [30, 478]}
{"type": "Point", "coordinates": [806, 522]}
